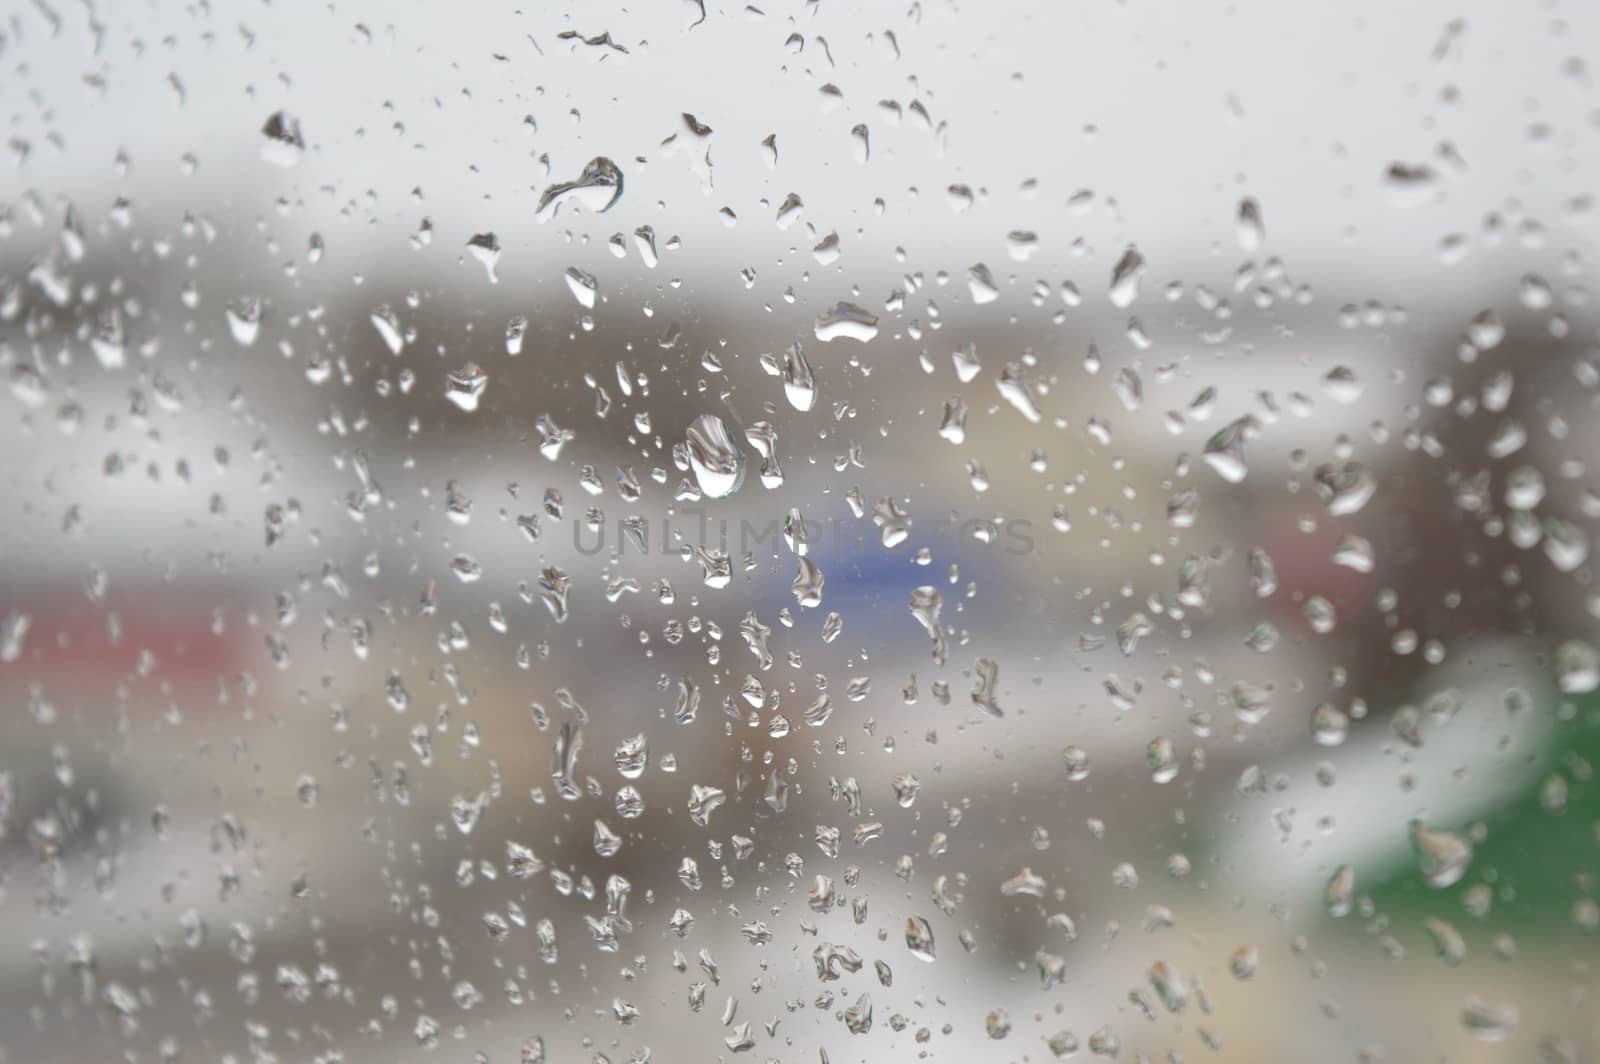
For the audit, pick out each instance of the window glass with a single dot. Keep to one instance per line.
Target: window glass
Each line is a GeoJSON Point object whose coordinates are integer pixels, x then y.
{"type": "Point", "coordinates": [805, 531]}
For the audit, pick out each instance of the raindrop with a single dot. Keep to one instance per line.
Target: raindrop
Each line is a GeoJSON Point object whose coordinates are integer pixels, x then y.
{"type": "Point", "coordinates": [1345, 489]}
{"type": "Point", "coordinates": [584, 286]}
{"type": "Point", "coordinates": [596, 189]}
{"type": "Point", "coordinates": [1354, 552]}
{"type": "Point", "coordinates": [1017, 391]}
{"type": "Point", "coordinates": [848, 321]}
{"type": "Point", "coordinates": [1125, 277]}
{"type": "Point", "coordinates": [1330, 726]}
{"type": "Point", "coordinates": [516, 330]}
{"type": "Point", "coordinates": [716, 460]}
{"type": "Point", "coordinates": [953, 425]}
{"type": "Point", "coordinates": [388, 327]}
{"type": "Point", "coordinates": [1224, 451]}
{"type": "Point", "coordinates": [919, 938]}
{"type": "Point", "coordinates": [244, 320]}
{"type": "Point", "coordinates": [284, 143]}
{"type": "Point", "coordinates": [980, 282]}
{"type": "Point", "coordinates": [1249, 229]}
{"type": "Point", "coordinates": [1577, 667]}
{"type": "Point", "coordinates": [1339, 896]}
{"type": "Point", "coordinates": [799, 385]}
{"type": "Point", "coordinates": [808, 580]}
{"type": "Point", "coordinates": [1320, 614]}
{"type": "Point", "coordinates": [485, 247]}
{"type": "Point", "coordinates": [1442, 856]}
{"type": "Point", "coordinates": [464, 387]}
{"type": "Point", "coordinates": [1486, 1022]}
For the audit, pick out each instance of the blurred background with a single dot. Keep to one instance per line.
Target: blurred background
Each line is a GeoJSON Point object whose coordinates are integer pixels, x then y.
{"type": "Point", "coordinates": [1197, 658]}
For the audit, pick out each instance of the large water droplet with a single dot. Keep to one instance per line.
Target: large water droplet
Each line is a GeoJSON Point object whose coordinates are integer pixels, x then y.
{"type": "Point", "coordinates": [1486, 1022]}
{"type": "Point", "coordinates": [848, 321]}
{"type": "Point", "coordinates": [799, 384]}
{"type": "Point", "coordinates": [717, 462]}
{"type": "Point", "coordinates": [465, 386]}
{"type": "Point", "coordinates": [1125, 277]}
{"type": "Point", "coordinates": [1224, 451]}
{"type": "Point", "coordinates": [244, 320]}
{"type": "Point", "coordinates": [1339, 896]}
{"type": "Point", "coordinates": [1249, 229]}
{"type": "Point", "coordinates": [1017, 391]}
{"type": "Point", "coordinates": [1442, 856]}
{"type": "Point", "coordinates": [1577, 667]}
{"type": "Point", "coordinates": [584, 286]}
{"type": "Point", "coordinates": [284, 143]}
{"type": "Point", "coordinates": [485, 247]}
{"type": "Point", "coordinates": [919, 938]}
{"type": "Point", "coordinates": [926, 604]}
{"type": "Point", "coordinates": [389, 329]}
{"type": "Point", "coordinates": [596, 189]}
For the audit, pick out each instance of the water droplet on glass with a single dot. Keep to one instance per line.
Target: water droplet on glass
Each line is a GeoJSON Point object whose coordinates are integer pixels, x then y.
{"type": "Point", "coordinates": [516, 329]}
{"type": "Point", "coordinates": [919, 938]}
{"type": "Point", "coordinates": [716, 460]}
{"type": "Point", "coordinates": [1125, 277]}
{"type": "Point", "coordinates": [1354, 552]}
{"type": "Point", "coordinates": [1129, 389]}
{"type": "Point", "coordinates": [894, 525]}
{"type": "Point", "coordinates": [244, 320]}
{"type": "Point", "coordinates": [808, 581]}
{"type": "Point", "coordinates": [847, 321]}
{"type": "Point", "coordinates": [1339, 896]}
{"type": "Point", "coordinates": [1442, 856]}
{"type": "Point", "coordinates": [926, 604]}
{"type": "Point", "coordinates": [1448, 943]}
{"type": "Point", "coordinates": [1263, 574]}
{"type": "Point", "coordinates": [1486, 1022]}
{"type": "Point", "coordinates": [485, 247]}
{"type": "Point", "coordinates": [387, 324]}
{"type": "Point", "coordinates": [553, 592]}
{"type": "Point", "coordinates": [1345, 489]}
{"type": "Point", "coordinates": [1169, 986]}
{"type": "Point", "coordinates": [980, 282]}
{"type": "Point", "coordinates": [1248, 228]}
{"type": "Point", "coordinates": [595, 189]}
{"type": "Point", "coordinates": [799, 384]}
{"type": "Point", "coordinates": [953, 425]}
{"type": "Point", "coordinates": [1320, 614]}
{"type": "Point", "coordinates": [1017, 391]}
{"type": "Point", "coordinates": [966, 362]}
{"type": "Point", "coordinates": [1330, 726]}
{"type": "Point", "coordinates": [584, 286]}
{"type": "Point", "coordinates": [465, 386]}
{"type": "Point", "coordinates": [1224, 451]}
{"type": "Point", "coordinates": [283, 143]}
{"type": "Point", "coordinates": [986, 681]}
{"type": "Point", "coordinates": [1410, 184]}
{"type": "Point", "coordinates": [1577, 667]}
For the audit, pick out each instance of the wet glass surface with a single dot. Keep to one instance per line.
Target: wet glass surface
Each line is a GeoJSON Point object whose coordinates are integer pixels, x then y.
{"type": "Point", "coordinates": [814, 532]}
